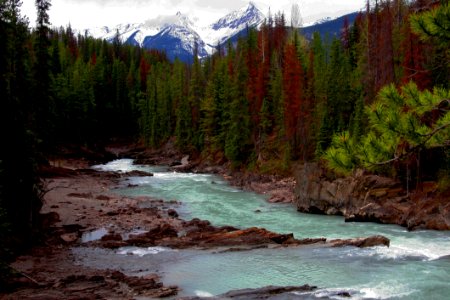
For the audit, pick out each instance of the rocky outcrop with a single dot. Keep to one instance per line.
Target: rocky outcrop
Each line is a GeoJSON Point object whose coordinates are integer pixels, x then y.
{"type": "Point", "coordinates": [372, 241]}
{"type": "Point", "coordinates": [201, 234]}
{"type": "Point", "coordinates": [367, 198]}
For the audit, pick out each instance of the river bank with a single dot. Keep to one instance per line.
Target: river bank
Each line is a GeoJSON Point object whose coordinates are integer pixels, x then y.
{"type": "Point", "coordinates": [371, 198]}
{"type": "Point", "coordinates": [82, 209]}
{"type": "Point", "coordinates": [359, 198]}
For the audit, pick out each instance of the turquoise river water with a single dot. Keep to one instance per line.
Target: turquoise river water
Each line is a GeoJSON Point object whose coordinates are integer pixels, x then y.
{"type": "Point", "coordinates": [415, 266]}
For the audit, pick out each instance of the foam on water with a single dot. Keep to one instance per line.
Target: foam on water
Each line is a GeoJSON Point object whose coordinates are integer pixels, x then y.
{"type": "Point", "coordinates": [334, 293]}
{"type": "Point", "coordinates": [174, 176]}
{"type": "Point", "coordinates": [401, 252]}
{"type": "Point", "coordinates": [386, 290]}
{"type": "Point", "coordinates": [380, 291]}
{"type": "Point", "coordinates": [118, 165]}
{"type": "Point", "coordinates": [141, 251]}
{"type": "Point", "coordinates": [146, 180]}
{"type": "Point", "coordinates": [203, 294]}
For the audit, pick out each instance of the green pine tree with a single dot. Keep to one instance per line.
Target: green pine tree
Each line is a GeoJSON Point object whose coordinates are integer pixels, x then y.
{"type": "Point", "coordinates": [183, 126]}
{"type": "Point", "coordinates": [401, 124]}
{"type": "Point", "coordinates": [238, 139]}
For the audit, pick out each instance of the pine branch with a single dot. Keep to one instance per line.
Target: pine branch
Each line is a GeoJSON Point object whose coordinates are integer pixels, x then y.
{"type": "Point", "coordinates": [413, 149]}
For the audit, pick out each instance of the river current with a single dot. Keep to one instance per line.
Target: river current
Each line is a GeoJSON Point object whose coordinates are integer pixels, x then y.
{"type": "Point", "coordinates": [415, 266]}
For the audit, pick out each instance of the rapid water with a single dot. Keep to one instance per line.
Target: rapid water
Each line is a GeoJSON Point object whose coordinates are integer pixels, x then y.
{"type": "Point", "coordinates": [416, 266]}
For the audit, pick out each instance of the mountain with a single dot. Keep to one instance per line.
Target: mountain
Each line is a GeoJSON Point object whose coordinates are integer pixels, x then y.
{"type": "Point", "coordinates": [178, 35]}
{"type": "Point", "coordinates": [177, 39]}
{"type": "Point", "coordinates": [232, 24]}
{"type": "Point", "coordinates": [327, 27]}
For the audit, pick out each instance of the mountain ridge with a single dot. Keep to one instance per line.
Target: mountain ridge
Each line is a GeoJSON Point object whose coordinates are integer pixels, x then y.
{"type": "Point", "coordinates": [179, 36]}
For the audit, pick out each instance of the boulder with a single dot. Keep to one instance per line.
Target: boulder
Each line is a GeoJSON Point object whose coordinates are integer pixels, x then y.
{"type": "Point", "coordinates": [162, 231]}
{"type": "Point", "coordinates": [172, 213]}
{"type": "Point", "coordinates": [69, 237]}
{"type": "Point", "coordinates": [112, 237]}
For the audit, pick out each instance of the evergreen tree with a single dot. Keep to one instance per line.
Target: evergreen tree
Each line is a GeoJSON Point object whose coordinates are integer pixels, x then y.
{"type": "Point", "coordinates": [319, 93]}
{"type": "Point", "coordinates": [212, 107]}
{"type": "Point", "coordinates": [164, 111]}
{"type": "Point", "coordinates": [276, 95]}
{"type": "Point", "coordinates": [238, 139]}
{"type": "Point", "coordinates": [43, 99]}
{"type": "Point", "coordinates": [183, 129]}
{"type": "Point", "coordinates": [434, 26]}
{"type": "Point", "coordinates": [196, 93]}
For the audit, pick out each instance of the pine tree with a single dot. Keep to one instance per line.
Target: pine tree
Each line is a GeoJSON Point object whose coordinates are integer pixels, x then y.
{"type": "Point", "coordinates": [212, 107]}
{"type": "Point", "coordinates": [164, 98]}
{"type": "Point", "coordinates": [238, 139]}
{"type": "Point", "coordinates": [196, 93]}
{"type": "Point", "coordinates": [183, 128]}
{"type": "Point", "coordinates": [43, 99]}
{"type": "Point", "coordinates": [318, 88]}
{"type": "Point", "coordinates": [276, 95]}
{"type": "Point", "coordinates": [402, 123]}
{"type": "Point", "coordinates": [434, 26]}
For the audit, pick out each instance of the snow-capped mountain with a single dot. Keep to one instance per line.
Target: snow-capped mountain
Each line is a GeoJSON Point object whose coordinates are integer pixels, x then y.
{"type": "Point", "coordinates": [177, 35]}
{"type": "Point", "coordinates": [233, 23]}
{"type": "Point", "coordinates": [177, 39]}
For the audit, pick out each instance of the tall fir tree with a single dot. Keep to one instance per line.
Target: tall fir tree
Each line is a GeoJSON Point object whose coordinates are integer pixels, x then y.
{"type": "Point", "coordinates": [238, 139]}
{"type": "Point", "coordinates": [196, 92]}
{"type": "Point", "coordinates": [43, 103]}
{"type": "Point", "coordinates": [183, 127]}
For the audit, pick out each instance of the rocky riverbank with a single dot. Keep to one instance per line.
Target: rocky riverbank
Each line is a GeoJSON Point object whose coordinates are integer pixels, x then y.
{"type": "Point", "coordinates": [370, 198]}
{"type": "Point", "coordinates": [359, 198]}
{"type": "Point", "coordinates": [81, 202]}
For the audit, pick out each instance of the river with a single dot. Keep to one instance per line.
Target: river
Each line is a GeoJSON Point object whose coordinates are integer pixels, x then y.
{"type": "Point", "coordinates": [415, 266]}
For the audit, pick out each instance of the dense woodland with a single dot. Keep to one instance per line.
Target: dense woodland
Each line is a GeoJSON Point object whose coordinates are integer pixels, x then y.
{"type": "Point", "coordinates": [375, 97]}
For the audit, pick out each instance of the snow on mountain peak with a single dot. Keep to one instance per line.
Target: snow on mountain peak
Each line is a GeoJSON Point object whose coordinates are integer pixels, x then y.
{"type": "Point", "coordinates": [249, 14]}
{"type": "Point", "coordinates": [179, 32]}
{"type": "Point", "coordinates": [231, 24]}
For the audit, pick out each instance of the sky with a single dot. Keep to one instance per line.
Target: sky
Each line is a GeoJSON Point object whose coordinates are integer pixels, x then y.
{"type": "Point", "coordinates": [83, 14]}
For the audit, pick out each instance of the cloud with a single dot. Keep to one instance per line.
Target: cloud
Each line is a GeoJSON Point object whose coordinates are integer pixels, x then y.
{"type": "Point", "coordinates": [161, 20]}
{"type": "Point", "coordinates": [92, 13]}
{"type": "Point", "coordinates": [108, 2]}
{"type": "Point", "coordinates": [228, 4]}
{"type": "Point", "coordinates": [125, 3]}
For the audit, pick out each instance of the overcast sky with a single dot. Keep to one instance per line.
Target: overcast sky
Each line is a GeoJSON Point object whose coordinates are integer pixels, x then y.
{"type": "Point", "coordinates": [82, 14]}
